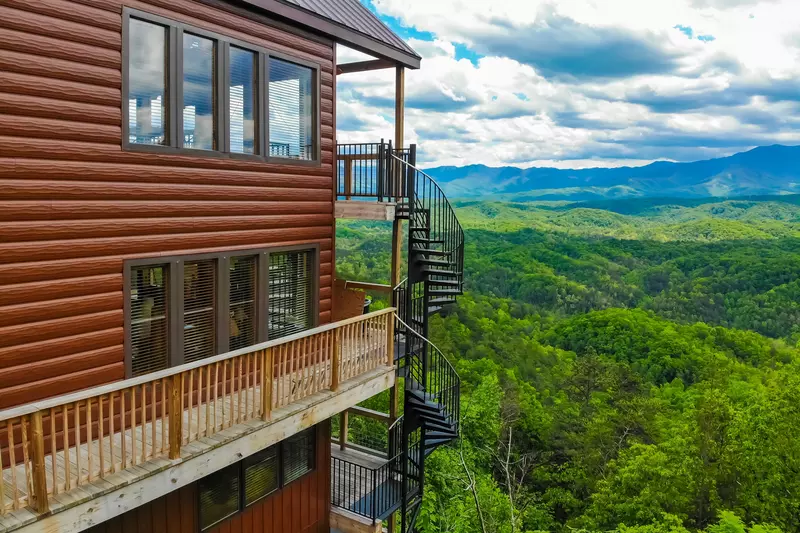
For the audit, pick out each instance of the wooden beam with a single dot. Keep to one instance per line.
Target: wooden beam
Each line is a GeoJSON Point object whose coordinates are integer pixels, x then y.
{"type": "Point", "coordinates": [363, 66]}
{"type": "Point", "coordinates": [266, 388]}
{"type": "Point", "coordinates": [377, 287]}
{"type": "Point", "coordinates": [397, 235]}
{"type": "Point", "coordinates": [347, 522]}
{"type": "Point", "coordinates": [175, 416]}
{"type": "Point", "coordinates": [364, 210]}
{"type": "Point", "coordinates": [336, 360]}
{"type": "Point", "coordinates": [369, 413]}
{"type": "Point", "coordinates": [344, 428]}
{"type": "Point", "coordinates": [399, 107]}
{"type": "Point", "coordinates": [37, 458]}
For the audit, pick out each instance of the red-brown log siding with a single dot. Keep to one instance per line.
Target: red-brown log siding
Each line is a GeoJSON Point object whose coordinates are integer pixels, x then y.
{"type": "Point", "coordinates": [74, 205]}
{"type": "Point", "coordinates": [301, 507]}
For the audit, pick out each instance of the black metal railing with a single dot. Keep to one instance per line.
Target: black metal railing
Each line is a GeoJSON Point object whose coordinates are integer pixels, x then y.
{"type": "Point", "coordinates": [433, 373]}
{"type": "Point", "coordinates": [444, 385]}
{"type": "Point", "coordinates": [279, 149]}
{"type": "Point", "coordinates": [364, 433]}
{"type": "Point", "coordinates": [432, 217]}
{"type": "Point", "coordinates": [369, 492]}
{"type": "Point", "coordinates": [368, 170]}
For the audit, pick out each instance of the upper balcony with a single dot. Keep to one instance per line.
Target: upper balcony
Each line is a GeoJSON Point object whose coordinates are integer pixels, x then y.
{"type": "Point", "coordinates": [158, 431]}
{"type": "Point", "coordinates": [373, 179]}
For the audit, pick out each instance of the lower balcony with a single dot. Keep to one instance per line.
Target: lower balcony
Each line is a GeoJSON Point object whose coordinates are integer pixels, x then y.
{"type": "Point", "coordinates": [366, 470]}
{"type": "Point", "coordinates": [135, 440]}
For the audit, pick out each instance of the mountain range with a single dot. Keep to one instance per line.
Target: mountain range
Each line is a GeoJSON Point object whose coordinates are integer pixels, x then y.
{"type": "Point", "coordinates": [766, 170]}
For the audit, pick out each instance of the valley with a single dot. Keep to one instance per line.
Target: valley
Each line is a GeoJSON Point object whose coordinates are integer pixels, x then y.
{"type": "Point", "coordinates": [627, 365]}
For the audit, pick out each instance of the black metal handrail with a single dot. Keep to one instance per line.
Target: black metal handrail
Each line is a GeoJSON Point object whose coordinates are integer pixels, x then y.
{"type": "Point", "coordinates": [441, 381]}
{"type": "Point", "coordinates": [369, 492]}
{"type": "Point", "coordinates": [369, 170]}
{"type": "Point", "coordinates": [429, 208]}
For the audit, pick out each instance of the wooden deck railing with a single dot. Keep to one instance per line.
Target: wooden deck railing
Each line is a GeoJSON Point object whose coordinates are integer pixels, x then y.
{"type": "Point", "coordinates": [55, 445]}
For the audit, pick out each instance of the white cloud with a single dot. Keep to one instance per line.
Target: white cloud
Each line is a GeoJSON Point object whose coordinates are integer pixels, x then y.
{"type": "Point", "coordinates": [511, 106]}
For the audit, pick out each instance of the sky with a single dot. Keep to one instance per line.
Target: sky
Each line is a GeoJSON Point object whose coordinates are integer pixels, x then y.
{"type": "Point", "coordinates": [583, 83]}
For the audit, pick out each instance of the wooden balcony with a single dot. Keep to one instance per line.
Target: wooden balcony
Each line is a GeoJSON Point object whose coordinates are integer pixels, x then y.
{"type": "Point", "coordinates": [60, 453]}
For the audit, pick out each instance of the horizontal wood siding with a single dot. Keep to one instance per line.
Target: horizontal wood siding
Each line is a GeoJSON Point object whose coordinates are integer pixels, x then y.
{"type": "Point", "coordinates": [74, 205]}
{"type": "Point", "coordinates": [301, 507]}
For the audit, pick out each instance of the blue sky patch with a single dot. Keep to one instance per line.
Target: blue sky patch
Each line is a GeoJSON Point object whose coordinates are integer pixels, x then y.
{"type": "Point", "coordinates": [686, 30]}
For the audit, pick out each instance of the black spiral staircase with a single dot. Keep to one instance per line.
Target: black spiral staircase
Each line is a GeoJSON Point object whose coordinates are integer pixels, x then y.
{"type": "Point", "coordinates": [435, 252]}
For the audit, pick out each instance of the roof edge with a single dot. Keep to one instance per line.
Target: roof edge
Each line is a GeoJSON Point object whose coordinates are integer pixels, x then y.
{"type": "Point", "coordinates": [352, 38]}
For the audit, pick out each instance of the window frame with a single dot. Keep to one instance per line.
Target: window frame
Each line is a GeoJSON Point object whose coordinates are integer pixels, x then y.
{"type": "Point", "coordinates": [241, 465]}
{"type": "Point", "coordinates": [175, 305]}
{"type": "Point", "coordinates": [222, 76]}
{"type": "Point", "coordinates": [238, 469]}
{"type": "Point", "coordinates": [315, 106]}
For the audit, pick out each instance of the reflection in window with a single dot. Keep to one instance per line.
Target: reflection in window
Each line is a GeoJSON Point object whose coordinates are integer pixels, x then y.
{"type": "Point", "coordinates": [199, 333]}
{"type": "Point", "coordinates": [198, 93]}
{"type": "Point", "coordinates": [261, 475]}
{"type": "Point", "coordinates": [290, 288]}
{"type": "Point", "coordinates": [242, 92]}
{"type": "Point", "coordinates": [219, 496]}
{"type": "Point", "coordinates": [148, 304]}
{"type": "Point", "coordinates": [147, 83]}
{"type": "Point", "coordinates": [290, 110]}
{"type": "Point", "coordinates": [243, 289]}
{"type": "Point", "coordinates": [298, 455]}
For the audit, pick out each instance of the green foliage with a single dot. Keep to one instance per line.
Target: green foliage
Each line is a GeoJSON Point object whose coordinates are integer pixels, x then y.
{"type": "Point", "coordinates": [632, 371]}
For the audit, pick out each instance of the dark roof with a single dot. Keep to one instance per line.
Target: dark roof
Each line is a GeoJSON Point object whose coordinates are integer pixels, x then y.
{"type": "Point", "coordinates": [346, 21]}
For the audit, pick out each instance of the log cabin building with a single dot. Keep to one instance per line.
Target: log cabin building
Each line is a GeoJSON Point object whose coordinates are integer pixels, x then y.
{"type": "Point", "coordinates": [176, 354]}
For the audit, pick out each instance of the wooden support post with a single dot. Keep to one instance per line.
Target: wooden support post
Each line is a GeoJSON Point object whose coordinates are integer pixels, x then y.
{"type": "Point", "coordinates": [344, 424]}
{"type": "Point", "coordinates": [37, 458]}
{"type": "Point", "coordinates": [335, 360]}
{"type": "Point", "coordinates": [175, 417]}
{"type": "Point", "coordinates": [266, 386]}
{"type": "Point", "coordinates": [397, 254]}
{"type": "Point", "coordinates": [348, 178]}
{"type": "Point", "coordinates": [399, 106]}
{"type": "Point", "coordinates": [399, 122]}
{"type": "Point", "coordinates": [397, 236]}
{"type": "Point", "coordinates": [390, 339]}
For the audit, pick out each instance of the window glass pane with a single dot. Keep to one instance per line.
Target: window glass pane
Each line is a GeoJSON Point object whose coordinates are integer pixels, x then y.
{"type": "Point", "coordinates": [219, 496]}
{"type": "Point", "coordinates": [147, 83]}
{"type": "Point", "coordinates": [290, 110]}
{"type": "Point", "coordinates": [242, 97]}
{"type": "Point", "coordinates": [199, 324]}
{"type": "Point", "coordinates": [242, 301]}
{"type": "Point", "coordinates": [260, 475]}
{"type": "Point", "coordinates": [298, 455]}
{"type": "Point", "coordinates": [199, 100]}
{"type": "Point", "coordinates": [148, 300]}
{"type": "Point", "coordinates": [290, 298]}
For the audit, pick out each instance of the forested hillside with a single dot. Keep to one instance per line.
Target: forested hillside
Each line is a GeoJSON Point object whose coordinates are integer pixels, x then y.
{"type": "Point", "coordinates": [625, 368]}
{"type": "Point", "coordinates": [762, 170]}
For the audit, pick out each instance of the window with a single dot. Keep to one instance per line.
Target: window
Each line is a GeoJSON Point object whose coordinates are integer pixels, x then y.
{"type": "Point", "coordinates": [231, 490]}
{"type": "Point", "coordinates": [243, 295]}
{"type": "Point", "coordinates": [199, 304]}
{"type": "Point", "coordinates": [184, 309]}
{"type": "Point", "coordinates": [261, 476]}
{"type": "Point", "coordinates": [147, 88]}
{"type": "Point", "coordinates": [188, 89]}
{"type": "Point", "coordinates": [290, 110]}
{"type": "Point", "coordinates": [149, 327]}
{"type": "Point", "coordinates": [242, 99]}
{"type": "Point", "coordinates": [290, 282]}
{"type": "Point", "coordinates": [219, 496]}
{"type": "Point", "coordinates": [199, 100]}
{"type": "Point", "coordinates": [298, 456]}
